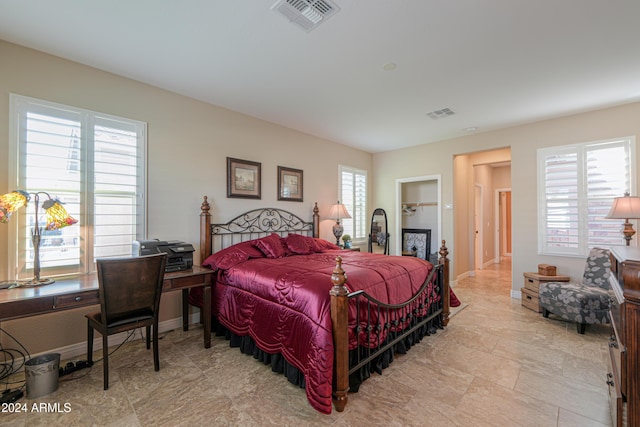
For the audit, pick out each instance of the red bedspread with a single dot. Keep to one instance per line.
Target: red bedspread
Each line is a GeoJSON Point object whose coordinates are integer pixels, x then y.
{"type": "Point", "coordinates": [284, 304]}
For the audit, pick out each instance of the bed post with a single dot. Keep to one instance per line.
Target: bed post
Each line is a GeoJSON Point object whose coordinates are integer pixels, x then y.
{"type": "Point", "coordinates": [205, 230]}
{"type": "Point", "coordinates": [316, 221]}
{"type": "Point", "coordinates": [339, 319]}
{"type": "Point", "coordinates": [445, 283]}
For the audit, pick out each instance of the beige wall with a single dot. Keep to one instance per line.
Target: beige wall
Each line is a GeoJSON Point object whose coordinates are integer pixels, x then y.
{"type": "Point", "coordinates": [188, 142]}
{"type": "Point", "coordinates": [446, 156]}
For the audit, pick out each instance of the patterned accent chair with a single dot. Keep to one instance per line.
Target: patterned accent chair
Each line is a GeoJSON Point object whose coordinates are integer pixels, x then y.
{"type": "Point", "coordinates": [585, 302]}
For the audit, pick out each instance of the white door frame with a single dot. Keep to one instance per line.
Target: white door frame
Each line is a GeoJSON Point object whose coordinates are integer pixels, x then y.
{"type": "Point", "coordinates": [398, 227]}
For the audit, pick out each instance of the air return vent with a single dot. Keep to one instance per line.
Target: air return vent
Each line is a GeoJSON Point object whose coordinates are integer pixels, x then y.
{"type": "Point", "coordinates": [440, 114]}
{"type": "Point", "coordinates": [307, 14]}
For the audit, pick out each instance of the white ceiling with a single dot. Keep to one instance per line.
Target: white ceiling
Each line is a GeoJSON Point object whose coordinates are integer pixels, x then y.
{"type": "Point", "coordinates": [495, 63]}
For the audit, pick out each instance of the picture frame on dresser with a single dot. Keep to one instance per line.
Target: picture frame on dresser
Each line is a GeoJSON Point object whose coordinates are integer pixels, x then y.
{"type": "Point", "coordinates": [290, 184]}
{"type": "Point", "coordinates": [244, 179]}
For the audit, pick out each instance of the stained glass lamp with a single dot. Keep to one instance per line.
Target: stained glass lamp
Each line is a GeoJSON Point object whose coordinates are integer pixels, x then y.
{"type": "Point", "coordinates": [56, 217]}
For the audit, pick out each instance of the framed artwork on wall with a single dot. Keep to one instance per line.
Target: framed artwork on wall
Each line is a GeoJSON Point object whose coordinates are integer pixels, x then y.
{"type": "Point", "coordinates": [243, 179]}
{"type": "Point", "coordinates": [289, 184]}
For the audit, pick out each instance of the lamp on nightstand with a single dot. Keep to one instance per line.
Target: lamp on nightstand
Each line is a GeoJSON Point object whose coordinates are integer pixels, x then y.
{"type": "Point", "coordinates": [626, 207]}
{"type": "Point", "coordinates": [56, 218]}
{"type": "Point", "coordinates": [338, 211]}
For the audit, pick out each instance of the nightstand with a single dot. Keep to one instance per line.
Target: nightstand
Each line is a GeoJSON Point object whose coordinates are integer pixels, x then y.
{"type": "Point", "coordinates": [530, 292]}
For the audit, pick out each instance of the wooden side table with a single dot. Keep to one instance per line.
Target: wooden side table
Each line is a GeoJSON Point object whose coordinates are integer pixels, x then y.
{"type": "Point", "coordinates": [531, 289]}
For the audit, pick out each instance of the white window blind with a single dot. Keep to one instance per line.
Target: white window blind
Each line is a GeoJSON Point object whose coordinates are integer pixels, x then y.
{"type": "Point", "coordinates": [577, 185]}
{"type": "Point", "coordinates": [353, 191]}
{"type": "Point", "coordinates": [95, 165]}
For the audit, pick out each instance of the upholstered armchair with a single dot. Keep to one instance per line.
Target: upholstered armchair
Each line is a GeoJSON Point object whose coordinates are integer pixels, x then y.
{"type": "Point", "coordinates": [585, 302]}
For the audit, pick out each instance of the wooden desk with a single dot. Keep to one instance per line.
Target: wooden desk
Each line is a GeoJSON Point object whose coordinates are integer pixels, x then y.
{"type": "Point", "coordinates": [82, 291]}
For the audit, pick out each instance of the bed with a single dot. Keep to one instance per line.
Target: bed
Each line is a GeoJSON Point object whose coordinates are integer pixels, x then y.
{"type": "Point", "coordinates": [325, 317]}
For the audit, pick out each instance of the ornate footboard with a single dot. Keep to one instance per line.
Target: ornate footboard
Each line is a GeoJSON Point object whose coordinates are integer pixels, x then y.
{"type": "Point", "coordinates": [427, 309]}
{"type": "Point", "coordinates": [385, 325]}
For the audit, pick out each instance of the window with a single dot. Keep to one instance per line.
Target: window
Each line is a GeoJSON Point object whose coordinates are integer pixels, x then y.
{"type": "Point", "coordinates": [577, 184]}
{"type": "Point", "coordinates": [95, 165]}
{"type": "Point", "coordinates": [353, 193]}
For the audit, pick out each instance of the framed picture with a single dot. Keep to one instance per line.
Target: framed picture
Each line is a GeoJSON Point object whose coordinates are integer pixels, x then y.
{"type": "Point", "coordinates": [289, 184]}
{"type": "Point", "coordinates": [243, 179]}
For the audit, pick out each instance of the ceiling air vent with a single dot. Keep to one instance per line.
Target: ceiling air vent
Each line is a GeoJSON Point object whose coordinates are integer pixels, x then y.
{"type": "Point", "coordinates": [307, 14]}
{"type": "Point", "coordinates": [441, 114]}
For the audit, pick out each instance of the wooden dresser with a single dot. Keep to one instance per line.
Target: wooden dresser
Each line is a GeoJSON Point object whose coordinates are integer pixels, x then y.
{"type": "Point", "coordinates": [624, 345]}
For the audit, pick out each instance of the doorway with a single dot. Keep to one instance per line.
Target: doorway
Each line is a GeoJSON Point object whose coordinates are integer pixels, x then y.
{"type": "Point", "coordinates": [418, 205]}
{"type": "Point", "coordinates": [478, 238]}
{"type": "Point", "coordinates": [482, 223]}
{"type": "Point", "coordinates": [503, 219]}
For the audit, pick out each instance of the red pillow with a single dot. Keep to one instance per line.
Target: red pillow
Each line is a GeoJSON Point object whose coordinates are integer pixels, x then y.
{"type": "Point", "coordinates": [271, 246]}
{"type": "Point", "coordinates": [299, 244]}
{"type": "Point", "coordinates": [322, 244]}
{"type": "Point", "coordinates": [233, 255]}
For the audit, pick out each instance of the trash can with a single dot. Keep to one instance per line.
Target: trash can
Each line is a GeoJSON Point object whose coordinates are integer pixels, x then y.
{"type": "Point", "coordinates": [42, 374]}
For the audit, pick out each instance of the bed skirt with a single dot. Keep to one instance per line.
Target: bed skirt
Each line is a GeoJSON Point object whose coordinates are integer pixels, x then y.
{"type": "Point", "coordinates": [280, 365]}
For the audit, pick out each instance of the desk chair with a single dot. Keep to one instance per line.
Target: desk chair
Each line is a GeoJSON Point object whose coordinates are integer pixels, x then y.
{"type": "Point", "coordinates": [129, 290]}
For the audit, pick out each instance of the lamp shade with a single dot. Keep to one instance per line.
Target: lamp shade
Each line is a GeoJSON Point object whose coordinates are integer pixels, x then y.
{"type": "Point", "coordinates": [57, 215]}
{"type": "Point", "coordinates": [339, 211]}
{"type": "Point", "coordinates": [11, 202]}
{"type": "Point", "coordinates": [626, 207]}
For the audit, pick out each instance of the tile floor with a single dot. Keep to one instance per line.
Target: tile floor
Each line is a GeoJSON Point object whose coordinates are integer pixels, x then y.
{"type": "Point", "coordinates": [496, 364]}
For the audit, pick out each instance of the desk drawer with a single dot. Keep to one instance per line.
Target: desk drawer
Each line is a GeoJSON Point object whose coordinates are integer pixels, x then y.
{"type": "Point", "coordinates": [76, 300]}
{"type": "Point", "coordinates": [186, 281]}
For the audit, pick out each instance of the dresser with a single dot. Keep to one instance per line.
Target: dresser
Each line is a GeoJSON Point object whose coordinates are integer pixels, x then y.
{"type": "Point", "coordinates": [623, 377]}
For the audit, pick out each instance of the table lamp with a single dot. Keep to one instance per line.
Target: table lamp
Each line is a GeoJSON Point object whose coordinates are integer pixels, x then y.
{"type": "Point", "coordinates": [626, 207]}
{"type": "Point", "coordinates": [338, 211]}
{"type": "Point", "coordinates": [56, 218]}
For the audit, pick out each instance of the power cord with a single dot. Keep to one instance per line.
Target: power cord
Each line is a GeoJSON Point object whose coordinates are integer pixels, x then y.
{"type": "Point", "coordinates": [9, 365]}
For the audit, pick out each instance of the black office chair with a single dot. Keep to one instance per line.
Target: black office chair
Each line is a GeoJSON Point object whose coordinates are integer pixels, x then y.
{"type": "Point", "coordinates": [130, 290]}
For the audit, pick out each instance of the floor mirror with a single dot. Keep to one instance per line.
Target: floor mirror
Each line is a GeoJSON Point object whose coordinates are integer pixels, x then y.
{"type": "Point", "coordinates": [379, 234]}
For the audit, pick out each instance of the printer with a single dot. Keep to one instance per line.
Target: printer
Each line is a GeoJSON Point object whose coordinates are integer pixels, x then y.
{"type": "Point", "coordinates": [179, 254]}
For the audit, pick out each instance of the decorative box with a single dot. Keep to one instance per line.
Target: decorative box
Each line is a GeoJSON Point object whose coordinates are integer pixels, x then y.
{"type": "Point", "coordinates": [547, 270]}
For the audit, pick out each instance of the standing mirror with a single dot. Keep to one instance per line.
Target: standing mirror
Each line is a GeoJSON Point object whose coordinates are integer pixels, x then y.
{"type": "Point", "coordinates": [379, 234]}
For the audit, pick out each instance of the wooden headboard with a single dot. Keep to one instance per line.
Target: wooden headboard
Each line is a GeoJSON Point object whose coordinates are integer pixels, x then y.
{"type": "Point", "coordinates": [251, 225]}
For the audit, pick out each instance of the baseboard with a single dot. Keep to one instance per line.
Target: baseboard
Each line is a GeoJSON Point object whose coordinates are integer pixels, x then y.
{"type": "Point", "coordinates": [464, 275]}
{"type": "Point", "coordinates": [79, 350]}
{"type": "Point", "coordinates": [516, 294]}
{"type": "Point", "coordinates": [490, 263]}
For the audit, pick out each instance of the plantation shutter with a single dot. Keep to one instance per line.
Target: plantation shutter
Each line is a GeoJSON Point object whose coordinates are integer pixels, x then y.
{"type": "Point", "coordinates": [118, 208]}
{"type": "Point", "coordinates": [353, 190]}
{"type": "Point", "coordinates": [577, 186]}
{"type": "Point", "coordinates": [95, 165]}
